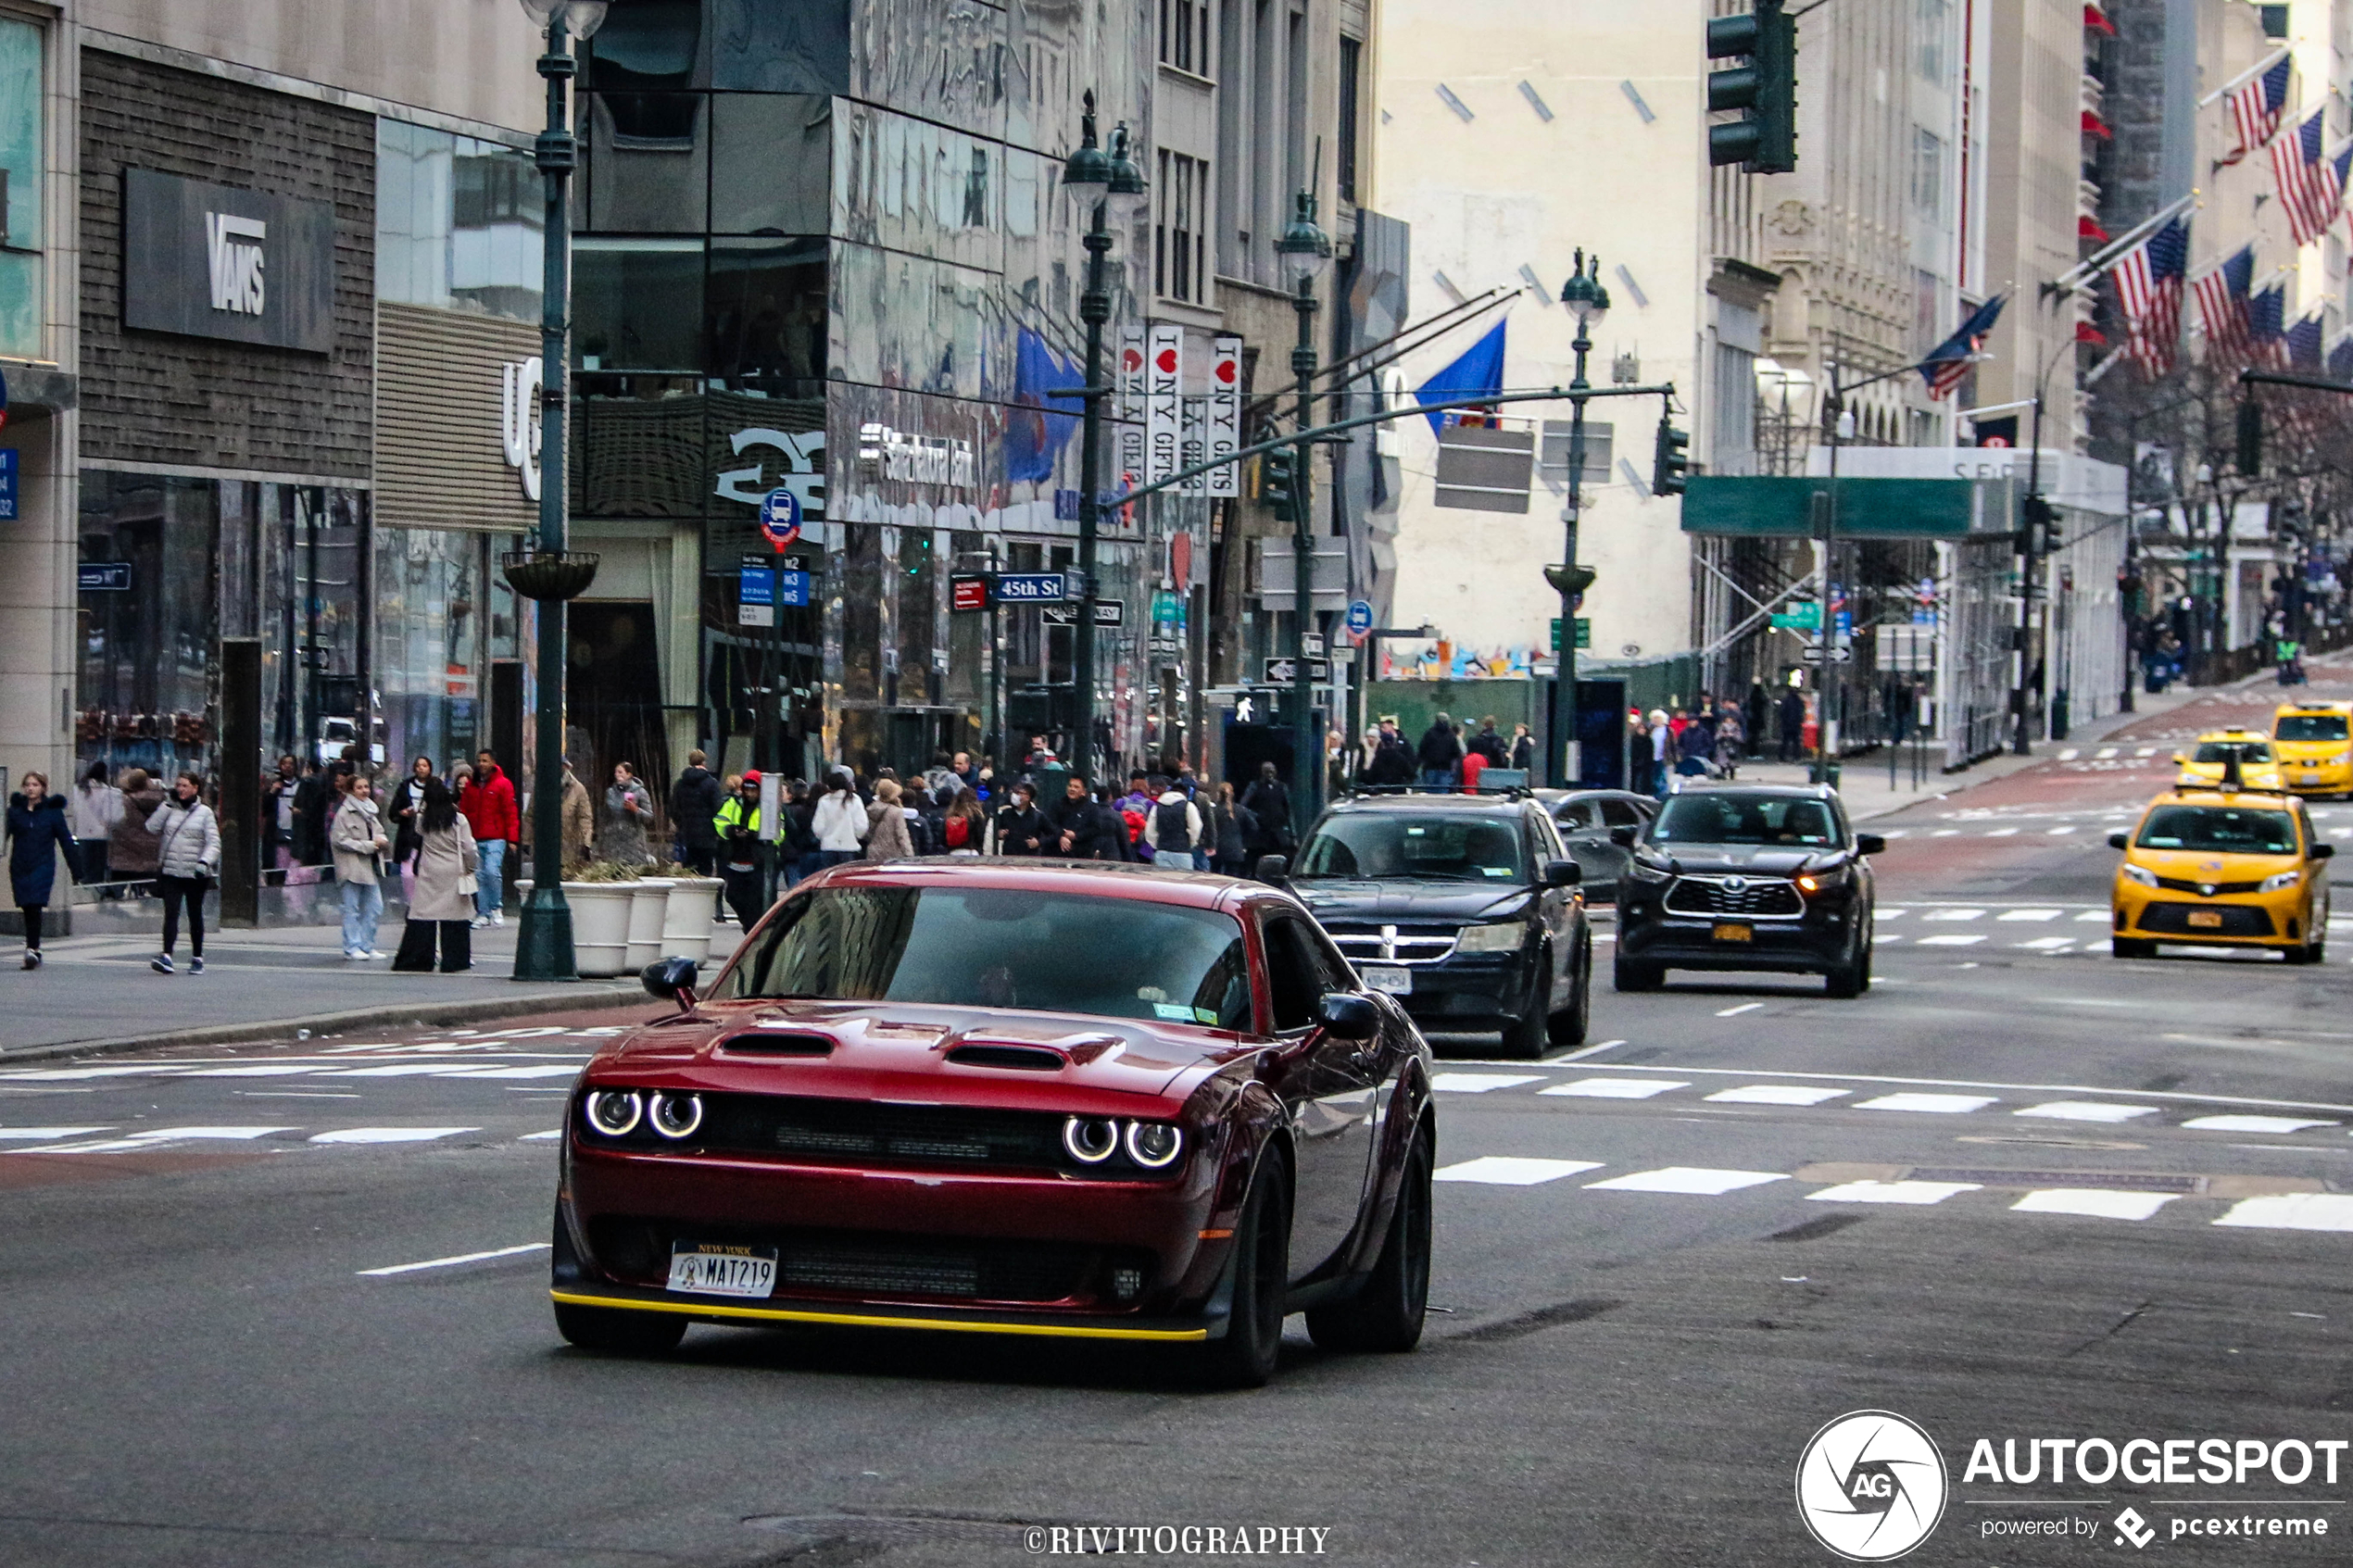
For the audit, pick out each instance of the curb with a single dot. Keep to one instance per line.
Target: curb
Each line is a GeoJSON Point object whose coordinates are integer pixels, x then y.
{"type": "Point", "coordinates": [590, 995]}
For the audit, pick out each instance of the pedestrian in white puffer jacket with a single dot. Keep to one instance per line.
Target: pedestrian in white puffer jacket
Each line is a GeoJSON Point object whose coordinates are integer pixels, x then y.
{"type": "Point", "coordinates": [187, 857]}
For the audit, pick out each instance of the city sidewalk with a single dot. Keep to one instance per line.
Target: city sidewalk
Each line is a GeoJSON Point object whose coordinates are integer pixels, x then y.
{"type": "Point", "coordinates": [96, 993]}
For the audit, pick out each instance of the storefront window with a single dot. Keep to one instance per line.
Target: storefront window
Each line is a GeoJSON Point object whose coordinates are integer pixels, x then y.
{"type": "Point", "coordinates": [638, 304]}
{"type": "Point", "coordinates": [766, 311]}
{"type": "Point", "coordinates": [145, 645]}
{"type": "Point", "coordinates": [459, 222]}
{"type": "Point", "coordinates": [20, 174]}
{"type": "Point", "coordinates": [432, 632]}
{"type": "Point", "coordinates": [307, 542]}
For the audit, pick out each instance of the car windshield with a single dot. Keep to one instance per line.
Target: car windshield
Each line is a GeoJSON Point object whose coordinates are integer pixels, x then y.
{"type": "Point", "coordinates": [2219, 830]}
{"type": "Point", "coordinates": [1002, 947]}
{"type": "Point", "coordinates": [2309, 726]}
{"type": "Point", "coordinates": [1441, 847]}
{"type": "Point", "coordinates": [2223, 750]}
{"type": "Point", "coordinates": [1729, 817]}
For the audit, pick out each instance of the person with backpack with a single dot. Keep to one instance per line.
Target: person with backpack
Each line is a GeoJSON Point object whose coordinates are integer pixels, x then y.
{"type": "Point", "coordinates": [796, 842]}
{"type": "Point", "coordinates": [1174, 829]}
{"type": "Point", "coordinates": [963, 827]}
{"type": "Point", "coordinates": [187, 857]}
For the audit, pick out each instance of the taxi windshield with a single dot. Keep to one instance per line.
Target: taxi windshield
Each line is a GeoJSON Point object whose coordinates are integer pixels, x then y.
{"type": "Point", "coordinates": [2218, 830]}
{"type": "Point", "coordinates": [1443, 847]}
{"type": "Point", "coordinates": [1001, 947]}
{"type": "Point", "coordinates": [2223, 750]}
{"type": "Point", "coordinates": [2309, 726]}
{"type": "Point", "coordinates": [1729, 817]}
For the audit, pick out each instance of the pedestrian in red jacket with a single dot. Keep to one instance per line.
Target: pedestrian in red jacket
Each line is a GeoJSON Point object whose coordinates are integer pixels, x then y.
{"type": "Point", "coordinates": [487, 802]}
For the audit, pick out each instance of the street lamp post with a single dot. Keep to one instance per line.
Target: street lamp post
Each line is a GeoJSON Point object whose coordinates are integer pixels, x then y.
{"type": "Point", "coordinates": [1305, 251]}
{"type": "Point", "coordinates": [1588, 302]}
{"type": "Point", "coordinates": [544, 571]}
{"type": "Point", "coordinates": [1105, 188]}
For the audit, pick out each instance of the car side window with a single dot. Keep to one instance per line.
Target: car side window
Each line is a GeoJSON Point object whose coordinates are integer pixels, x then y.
{"type": "Point", "coordinates": [1621, 814]}
{"type": "Point", "coordinates": [1548, 844]}
{"type": "Point", "coordinates": [1292, 982]}
{"type": "Point", "coordinates": [1577, 817]}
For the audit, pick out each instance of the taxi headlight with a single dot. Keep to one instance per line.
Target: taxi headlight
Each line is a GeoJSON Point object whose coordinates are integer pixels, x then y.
{"type": "Point", "coordinates": [2141, 874]}
{"type": "Point", "coordinates": [614, 1113]}
{"type": "Point", "coordinates": [2278, 880]}
{"type": "Point", "coordinates": [1500, 936]}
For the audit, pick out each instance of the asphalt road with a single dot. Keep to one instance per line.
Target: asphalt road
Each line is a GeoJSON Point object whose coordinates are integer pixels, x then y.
{"type": "Point", "coordinates": [2020, 1190]}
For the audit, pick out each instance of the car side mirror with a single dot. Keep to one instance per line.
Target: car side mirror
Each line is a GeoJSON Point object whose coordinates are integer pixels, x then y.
{"type": "Point", "coordinates": [2323, 851]}
{"type": "Point", "coordinates": [1272, 869]}
{"type": "Point", "coordinates": [1562, 873]}
{"type": "Point", "coordinates": [2181, 757]}
{"type": "Point", "coordinates": [1868, 843]}
{"type": "Point", "coordinates": [1622, 836]}
{"type": "Point", "coordinates": [2119, 840]}
{"type": "Point", "coordinates": [1347, 1018]}
{"type": "Point", "coordinates": [671, 980]}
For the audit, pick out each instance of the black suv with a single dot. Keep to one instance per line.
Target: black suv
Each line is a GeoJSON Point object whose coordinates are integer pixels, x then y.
{"type": "Point", "coordinates": [1746, 876]}
{"type": "Point", "coordinates": [1465, 907]}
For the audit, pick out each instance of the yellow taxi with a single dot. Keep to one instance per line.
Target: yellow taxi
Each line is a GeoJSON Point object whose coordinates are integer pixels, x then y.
{"type": "Point", "coordinates": [2258, 768]}
{"type": "Point", "coordinates": [2310, 741]}
{"type": "Point", "coordinates": [2221, 867]}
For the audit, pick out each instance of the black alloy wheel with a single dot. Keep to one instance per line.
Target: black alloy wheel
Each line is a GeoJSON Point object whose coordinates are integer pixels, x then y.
{"type": "Point", "coordinates": [1386, 1314]}
{"type": "Point", "coordinates": [1245, 1358]}
{"type": "Point", "coordinates": [620, 1333]}
{"type": "Point", "coordinates": [1568, 1027]}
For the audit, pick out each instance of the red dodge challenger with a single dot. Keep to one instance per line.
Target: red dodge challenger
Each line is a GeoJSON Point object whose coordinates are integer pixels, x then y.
{"type": "Point", "coordinates": [1093, 1101]}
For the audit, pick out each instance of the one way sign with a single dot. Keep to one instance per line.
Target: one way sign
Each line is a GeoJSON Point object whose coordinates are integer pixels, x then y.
{"type": "Point", "coordinates": [1283, 671]}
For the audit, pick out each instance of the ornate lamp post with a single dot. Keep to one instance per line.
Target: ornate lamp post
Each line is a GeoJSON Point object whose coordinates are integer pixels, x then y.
{"type": "Point", "coordinates": [1105, 190]}
{"type": "Point", "coordinates": [544, 570]}
{"type": "Point", "coordinates": [1588, 302]}
{"type": "Point", "coordinates": [1303, 252]}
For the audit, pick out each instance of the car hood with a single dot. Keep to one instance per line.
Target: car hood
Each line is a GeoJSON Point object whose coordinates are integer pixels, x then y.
{"type": "Point", "coordinates": [1355, 900]}
{"type": "Point", "coordinates": [1756, 859]}
{"type": "Point", "coordinates": [921, 1054]}
{"type": "Point", "coordinates": [2198, 865]}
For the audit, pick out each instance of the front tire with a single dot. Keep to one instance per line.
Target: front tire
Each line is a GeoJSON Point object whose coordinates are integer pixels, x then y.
{"type": "Point", "coordinates": [1245, 1358]}
{"type": "Point", "coordinates": [1525, 1035]}
{"type": "Point", "coordinates": [1569, 1026]}
{"type": "Point", "coordinates": [1386, 1314]}
{"type": "Point", "coordinates": [2131, 947]}
{"type": "Point", "coordinates": [619, 1332]}
{"type": "Point", "coordinates": [1851, 978]}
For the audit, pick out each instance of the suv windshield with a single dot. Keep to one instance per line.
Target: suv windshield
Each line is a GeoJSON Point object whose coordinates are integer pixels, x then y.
{"type": "Point", "coordinates": [1447, 847]}
{"type": "Point", "coordinates": [1002, 947]}
{"type": "Point", "coordinates": [2223, 750]}
{"type": "Point", "coordinates": [2309, 726]}
{"type": "Point", "coordinates": [1729, 817]}
{"type": "Point", "coordinates": [2219, 830]}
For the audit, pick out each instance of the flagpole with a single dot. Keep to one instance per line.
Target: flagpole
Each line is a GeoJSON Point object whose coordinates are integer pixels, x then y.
{"type": "Point", "coordinates": [2099, 261]}
{"type": "Point", "coordinates": [2242, 78]}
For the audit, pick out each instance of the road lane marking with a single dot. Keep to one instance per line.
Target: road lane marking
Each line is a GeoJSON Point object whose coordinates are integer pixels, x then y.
{"type": "Point", "coordinates": [541, 1137]}
{"type": "Point", "coordinates": [1513, 1171]}
{"type": "Point", "coordinates": [1963, 913]}
{"type": "Point", "coordinates": [2104, 753]}
{"type": "Point", "coordinates": [1614, 1088]}
{"type": "Point", "coordinates": [2030, 914]}
{"type": "Point", "coordinates": [2003, 832]}
{"type": "Point", "coordinates": [1478, 1083]}
{"type": "Point", "coordinates": [390, 1135]}
{"type": "Point", "coordinates": [1931, 1105]}
{"type": "Point", "coordinates": [1736, 1011]}
{"type": "Point", "coordinates": [2167, 1095]}
{"type": "Point", "coordinates": [2145, 751]}
{"type": "Point", "coordinates": [2094, 917]}
{"type": "Point", "coordinates": [1889, 914]}
{"type": "Point", "coordinates": [2251, 1125]}
{"type": "Point", "coordinates": [1892, 1192]}
{"type": "Point", "coordinates": [2085, 1111]}
{"type": "Point", "coordinates": [2293, 1211]}
{"type": "Point", "coordinates": [1588, 1051]}
{"type": "Point", "coordinates": [160, 1133]}
{"type": "Point", "coordinates": [2070, 755]}
{"type": "Point", "coordinates": [2098, 1203]}
{"type": "Point", "coordinates": [1775, 1094]}
{"type": "Point", "coordinates": [2064, 827]}
{"type": "Point", "coordinates": [2046, 944]}
{"type": "Point", "coordinates": [553, 1069]}
{"type": "Point", "coordinates": [453, 1263]}
{"type": "Point", "coordinates": [1946, 832]}
{"type": "Point", "coordinates": [1694, 1180]}
{"type": "Point", "coordinates": [1952, 939]}
{"type": "Point", "coordinates": [255, 1072]}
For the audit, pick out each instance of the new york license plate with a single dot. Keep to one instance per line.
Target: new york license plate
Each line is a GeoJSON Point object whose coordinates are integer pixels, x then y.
{"type": "Point", "coordinates": [2207, 920]}
{"type": "Point", "coordinates": [1394, 979]}
{"type": "Point", "coordinates": [701, 1269]}
{"type": "Point", "coordinates": [1734, 931]}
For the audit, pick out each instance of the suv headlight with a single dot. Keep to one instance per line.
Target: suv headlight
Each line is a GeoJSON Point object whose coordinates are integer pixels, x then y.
{"type": "Point", "coordinates": [2278, 880]}
{"type": "Point", "coordinates": [2141, 874]}
{"type": "Point", "coordinates": [1501, 936]}
{"type": "Point", "coordinates": [1646, 870]}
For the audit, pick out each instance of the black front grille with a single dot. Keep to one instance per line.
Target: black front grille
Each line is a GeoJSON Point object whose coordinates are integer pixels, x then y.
{"type": "Point", "coordinates": [1767, 896]}
{"type": "Point", "coordinates": [2237, 920]}
{"type": "Point", "coordinates": [844, 1131]}
{"type": "Point", "coordinates": [869, 1264]}
{"type": "Point", "coordinates": [2206, 889]}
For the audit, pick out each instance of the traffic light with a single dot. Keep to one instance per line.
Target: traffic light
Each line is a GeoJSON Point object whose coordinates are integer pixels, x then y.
{"type": "Point", "coordinates": [1278, 481]}
{"type": "Point", "coordinates": [1764, 140]}
{"type": "Point", "coordinates": [1668, 465]}
{"type": "Point", "coordinates": [2043, 533]}
{"type": "Point", "coordinates": [2249, 457]}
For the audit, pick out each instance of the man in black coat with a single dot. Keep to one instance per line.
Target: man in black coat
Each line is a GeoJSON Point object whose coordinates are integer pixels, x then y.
{"type": "Point", "coordinates": [1392, 764]}
{"type": "Point", "coordinates": [1793, 718]}
{"type": "Point", "coordinates": [695, 801]}
{"type": "Point", "coordinates": [1084, 828]}
{"type": "Point", "coordinates": [1490, 744]}
{"type": "Point", "coordinates": [1439, 754]}
{"type": "Point", "coordinates": [1269, 802]}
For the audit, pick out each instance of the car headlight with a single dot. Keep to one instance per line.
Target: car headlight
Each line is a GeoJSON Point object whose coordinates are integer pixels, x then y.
{"type": "Point", "coordinates": [1091, 1139]}
{"type": "Point", "coordinates": [2141, 874]}
{"type": "Point", "coordinates": [2278, 880]}
{"type": "Point", "coordinates": [1155, 1145]}
{"type": "Point", "coordinates": [1645, 870]}
{"type": "Point", "coordinates": [676, 1116]}
{"type": "Point", "coordinates": [614, 1113]}
{"type": "Point", "coordinates": [1499, 936]}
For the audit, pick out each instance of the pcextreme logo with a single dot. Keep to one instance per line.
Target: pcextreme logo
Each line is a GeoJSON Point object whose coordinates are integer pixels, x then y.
{"type": "Point", "coordinates": [1871, 1486]}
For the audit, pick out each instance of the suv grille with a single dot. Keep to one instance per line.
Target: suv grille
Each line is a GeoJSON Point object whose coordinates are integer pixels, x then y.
{"type": "Point", "coordinates": [1367, 942]}
{"type": "Point", "coordinates": [1762, 896]}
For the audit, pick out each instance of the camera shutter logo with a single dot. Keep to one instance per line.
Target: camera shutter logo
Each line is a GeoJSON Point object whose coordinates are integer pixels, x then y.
{"type": "Point", "coordinates": [235, 268]}
{"type": "Point", "coordinates": [1871, 1486]}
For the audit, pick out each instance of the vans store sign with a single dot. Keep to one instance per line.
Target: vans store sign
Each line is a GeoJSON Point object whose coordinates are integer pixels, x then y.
{"type": "Point", "coordinates": [212, 261]}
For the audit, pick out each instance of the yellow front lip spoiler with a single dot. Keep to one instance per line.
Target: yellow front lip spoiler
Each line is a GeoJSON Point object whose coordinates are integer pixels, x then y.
{"type": "Point", "coordinates": [871, 1319]}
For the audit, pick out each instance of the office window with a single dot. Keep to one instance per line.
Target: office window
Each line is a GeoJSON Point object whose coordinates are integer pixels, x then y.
{"type": "Point", "coordinates": [1932, 20]}
{"type": "Point", "coordinates": [1184, 36]}
{"type": "Point", "coordinates": [1351, 61]}
{"type": "Point", "coordinates": [1928, 174]}
{"type": "Point", "coordinates": [1179, 242]}
{"type": "Point", "coordinates": [20, 170]}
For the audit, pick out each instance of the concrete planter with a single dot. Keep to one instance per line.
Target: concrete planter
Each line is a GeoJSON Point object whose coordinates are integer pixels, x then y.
{"type": "Point", "coordinates": [648, 912]}
{"type": "Point", "coordinates": [686, 927]}
{"type": "Point", "coordinates": [601, 916]}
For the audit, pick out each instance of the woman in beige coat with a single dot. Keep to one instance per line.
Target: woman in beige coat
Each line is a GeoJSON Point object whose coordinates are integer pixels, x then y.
{"type": "Point", "coordinates": [442, 910]}
{"type": "Point", "coordinates": [886, 838]}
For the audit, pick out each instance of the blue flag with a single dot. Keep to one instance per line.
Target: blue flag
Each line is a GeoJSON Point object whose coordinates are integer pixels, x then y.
{"type": "Point", "coordinates": [1478, 372]}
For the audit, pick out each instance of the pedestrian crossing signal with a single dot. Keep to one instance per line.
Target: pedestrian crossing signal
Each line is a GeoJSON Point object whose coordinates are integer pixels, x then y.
{"type": "Point", "coordinates": [1669, 467]}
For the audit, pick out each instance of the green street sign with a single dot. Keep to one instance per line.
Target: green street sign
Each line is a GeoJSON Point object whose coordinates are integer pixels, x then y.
{"type": "Point", "coordinates": [1584, 631]}
{"type": "Point", "coordinates": [1804, 617]}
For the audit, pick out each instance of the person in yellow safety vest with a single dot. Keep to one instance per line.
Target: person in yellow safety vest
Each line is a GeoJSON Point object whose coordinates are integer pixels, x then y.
{"type": "Point", "coordinates": [737, 823]}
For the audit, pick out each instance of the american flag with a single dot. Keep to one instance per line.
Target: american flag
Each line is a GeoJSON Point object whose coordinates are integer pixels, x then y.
{"type": "Point", "coordinates": [2221, 302]}
{"type": "Point", "coordinates": [2343, 167]}
{"type": "Point", "coordinates": [2309, 188]}
{"type": "Point", "coordinates": [1948, 364]}
{"type": "Point", "coordinates": [2256, 105]}
{"type": "Point", "coordinates": [2303, 345]}
{"type": "Point", "coordinates": [2266, 325]}
{"type": "Point", "coordinates": [2341, 359]}
{"type": "Point", "coordinates": [2149, 290]}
